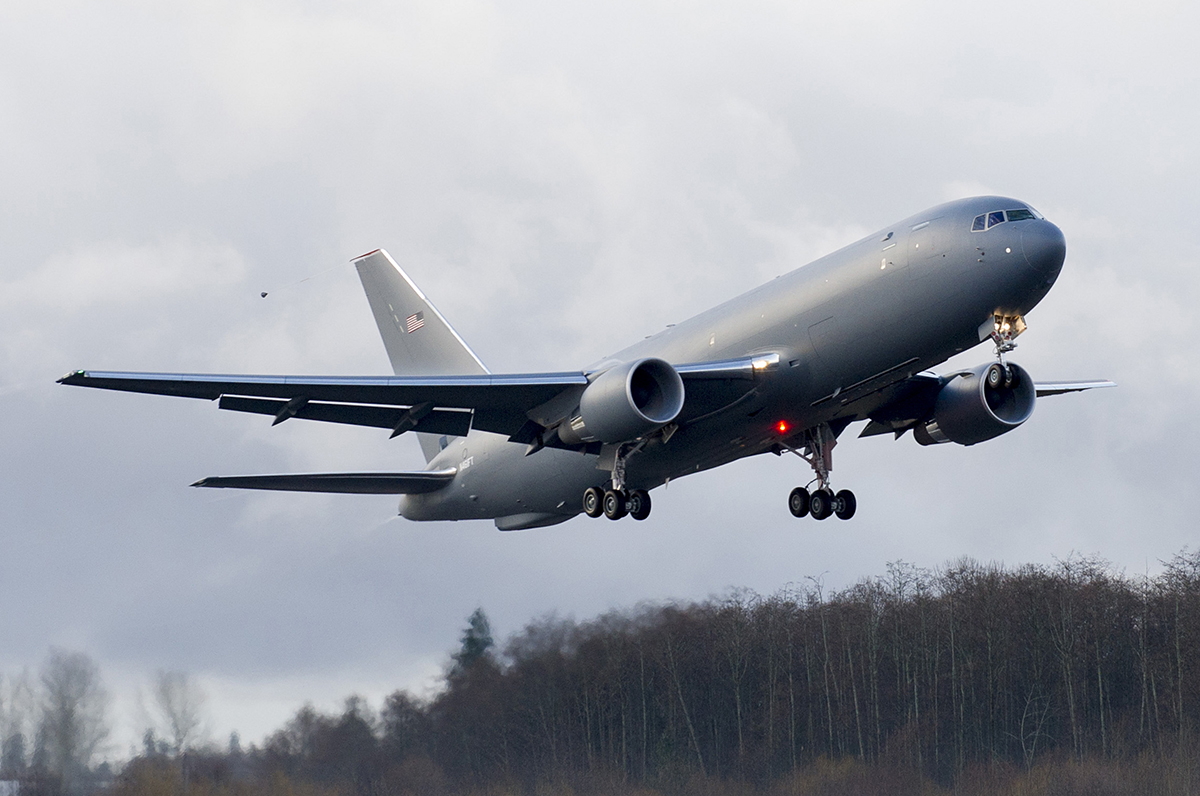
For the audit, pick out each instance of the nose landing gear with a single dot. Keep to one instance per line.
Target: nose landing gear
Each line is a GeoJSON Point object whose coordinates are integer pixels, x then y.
{"type": "Point", "coordinates": [822, 503]}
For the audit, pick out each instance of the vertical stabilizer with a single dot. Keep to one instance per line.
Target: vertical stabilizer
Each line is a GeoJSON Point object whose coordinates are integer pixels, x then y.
{"type": "Point", "coordinates": [418, 339]}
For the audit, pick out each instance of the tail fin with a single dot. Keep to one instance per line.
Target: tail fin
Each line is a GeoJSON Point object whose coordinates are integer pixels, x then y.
{"type": "Point", "coordinates": [418, 339]}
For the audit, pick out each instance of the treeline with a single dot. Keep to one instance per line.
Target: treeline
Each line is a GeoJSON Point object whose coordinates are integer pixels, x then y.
{"type": "Point", "coordinates": [53, 726]}
{"type": "Point", "coordinates": [974, 678]}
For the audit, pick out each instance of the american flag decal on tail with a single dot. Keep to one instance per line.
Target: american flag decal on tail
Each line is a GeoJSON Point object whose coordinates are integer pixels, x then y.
{"type": "Point", "coordinates": [414, 322]}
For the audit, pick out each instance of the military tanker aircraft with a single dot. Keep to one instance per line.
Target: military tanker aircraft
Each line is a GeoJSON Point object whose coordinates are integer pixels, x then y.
{"type": "Point", "coordinates": [783, 369]}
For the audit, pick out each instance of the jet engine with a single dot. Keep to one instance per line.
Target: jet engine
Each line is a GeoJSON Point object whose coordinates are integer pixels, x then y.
{"type": "Point", "coordinates": [979, 404]}
{"type": "Point", "coordinates": [625, 402]}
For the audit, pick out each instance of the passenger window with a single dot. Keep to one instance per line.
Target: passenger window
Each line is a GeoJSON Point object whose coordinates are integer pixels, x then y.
{"type": "Point", "coordinates": [977, 225]}
{"type": "Point", "coordinates": [1020, 215]}
{"type": "Point", "coordinates": [995, 218]}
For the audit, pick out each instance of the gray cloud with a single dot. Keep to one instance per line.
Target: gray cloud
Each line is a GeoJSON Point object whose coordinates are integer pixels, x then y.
{"type": "Point", "coordinates": [561, 181]}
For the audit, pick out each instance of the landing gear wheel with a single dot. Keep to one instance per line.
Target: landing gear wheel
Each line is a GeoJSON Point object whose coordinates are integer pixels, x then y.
{"type": "Point", "coordinates": [614, 505]}
{"type": "Point", "coordinates": [995, 375]}
{"type": "Point", "coordinates": [820, 503]}
{"type": "Point", "coordinates": [593, 501]}
{"type": "Point", "coordinates": [798, 502]}
{"type": "Point", "coordinates": [844, 504]}
{"type": "Point", "coordinates": [638, 504]}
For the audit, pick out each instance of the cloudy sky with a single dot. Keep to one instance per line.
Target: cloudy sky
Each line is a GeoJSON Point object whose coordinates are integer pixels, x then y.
{"type": "Point", "coordinates": [561, 179]}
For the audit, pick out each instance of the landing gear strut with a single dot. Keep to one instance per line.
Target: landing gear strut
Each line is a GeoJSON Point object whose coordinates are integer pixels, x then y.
{"type": "Point", "coordinates": [1004, 329]}
{"type": "Point", "coordinates": [817, 449]}
{"type": "Point", "coordinates": [617, 501]}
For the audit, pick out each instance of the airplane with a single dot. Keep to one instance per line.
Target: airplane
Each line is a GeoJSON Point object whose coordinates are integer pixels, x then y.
{"type": "Point", "coordinates": [785, 369]}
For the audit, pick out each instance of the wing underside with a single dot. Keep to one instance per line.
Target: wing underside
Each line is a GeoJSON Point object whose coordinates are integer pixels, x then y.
{"type": "Point", "coordinates": [445, 404]}
{"type": "Point", "coordinates": [1046, 388]}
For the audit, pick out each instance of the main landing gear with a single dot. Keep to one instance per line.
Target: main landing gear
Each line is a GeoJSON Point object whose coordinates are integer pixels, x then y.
{"type": "Point", "coordinates": [823, 502]}
{"type": "Point", "coordinates": [616, 503]}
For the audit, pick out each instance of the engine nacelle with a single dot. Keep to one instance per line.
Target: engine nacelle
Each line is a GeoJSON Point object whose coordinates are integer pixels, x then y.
{"type": "Point", "coordinates": [625, 402]}
{"type": "Point", "coordinates": [978, 405]}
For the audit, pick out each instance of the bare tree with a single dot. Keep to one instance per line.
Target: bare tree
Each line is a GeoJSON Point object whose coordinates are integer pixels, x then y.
{"type": "Point", "coordinates": [74, 720]}
{"type": "Point", "coordinates": [17, 708]}
{"type": "Point", "coordinates": [178, 707]}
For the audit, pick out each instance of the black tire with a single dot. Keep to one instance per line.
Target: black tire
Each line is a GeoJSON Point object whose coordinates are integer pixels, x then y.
{"type": "Point", "coordinates": [820, 503]}
{"type": "Point", "coordinates": [614, 505]}
{"type": "Point", "coordinates": [638, 504]}
{"type": "Point", "coordinates": [844, 504]}
{"type": "Point", "coordinates": [593, 501]}
{"type": "Point", "coordinates": [798, 502]}
{"type": "Point", "coordinates": [995, 375]}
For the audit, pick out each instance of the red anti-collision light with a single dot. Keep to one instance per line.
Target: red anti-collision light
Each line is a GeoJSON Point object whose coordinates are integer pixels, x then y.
{"type": "Point", "coordinates": [782, 427]}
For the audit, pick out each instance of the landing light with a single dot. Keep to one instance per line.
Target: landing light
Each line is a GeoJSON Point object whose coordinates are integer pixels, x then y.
{"type": "Point", "coordinates": [765, 361]}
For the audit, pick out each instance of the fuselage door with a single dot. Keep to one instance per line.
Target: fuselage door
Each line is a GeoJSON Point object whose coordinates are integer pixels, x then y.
{"type": "Point", "coordinates": [923, 246]}
{"type": "Point", "coordinates": [921, 242]}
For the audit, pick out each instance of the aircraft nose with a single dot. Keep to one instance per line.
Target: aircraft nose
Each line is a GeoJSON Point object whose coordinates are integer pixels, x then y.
{"type": "Point", "coordinates": [1045, 248]}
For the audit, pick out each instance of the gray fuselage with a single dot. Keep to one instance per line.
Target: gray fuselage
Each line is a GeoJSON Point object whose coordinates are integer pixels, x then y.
{"type": "Point", "coordinates": [845, 327]}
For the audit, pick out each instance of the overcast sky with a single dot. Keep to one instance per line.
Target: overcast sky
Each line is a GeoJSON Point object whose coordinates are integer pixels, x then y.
{"type": "Point", "coordinates": [561, 179]}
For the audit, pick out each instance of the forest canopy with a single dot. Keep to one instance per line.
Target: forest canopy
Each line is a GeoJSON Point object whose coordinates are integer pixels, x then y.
{"type": "Point", "coordinates": [969, 674]}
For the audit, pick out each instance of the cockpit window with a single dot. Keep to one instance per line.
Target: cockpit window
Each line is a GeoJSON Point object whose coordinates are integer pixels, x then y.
{"type": "Point", "coordinates": [989, 220]}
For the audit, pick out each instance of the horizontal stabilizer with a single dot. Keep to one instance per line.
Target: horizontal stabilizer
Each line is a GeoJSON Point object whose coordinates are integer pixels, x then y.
{"type": "Point", "coordinates": [414, 483]}
{"type": "Point", "coordinates": [1060, 387]}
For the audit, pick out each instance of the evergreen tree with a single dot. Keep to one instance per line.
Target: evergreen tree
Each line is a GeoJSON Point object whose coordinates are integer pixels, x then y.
{"type": "Point", "coordinates": [476, 641]}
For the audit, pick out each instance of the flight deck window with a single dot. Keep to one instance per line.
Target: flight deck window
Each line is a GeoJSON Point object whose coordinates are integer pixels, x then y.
{"type": "Point", "coordinates": [1020, 215]}
{"type": "Point", "coordinates": [977, 225]}
{"type": "Point", "coordinates": [995, 218]}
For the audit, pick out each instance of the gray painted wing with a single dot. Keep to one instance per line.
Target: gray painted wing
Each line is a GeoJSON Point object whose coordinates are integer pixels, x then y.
{"type": "Point", "coordinates": [1060, 387]}
{"type": "Point", "coordinates": [414, 483]}
{"type": "Point", "coordinates": [496, 403]}
{"type": "Point", "coordinates": [500, 403]}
